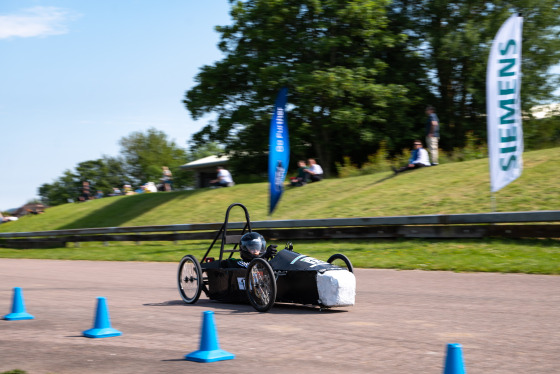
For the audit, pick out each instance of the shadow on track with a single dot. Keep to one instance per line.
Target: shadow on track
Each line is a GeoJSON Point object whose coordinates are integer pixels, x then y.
{"type": "Point", "coordinates": [233, 308]}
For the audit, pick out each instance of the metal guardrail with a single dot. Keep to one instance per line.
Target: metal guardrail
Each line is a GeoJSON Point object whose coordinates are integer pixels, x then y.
{"type": "Point", "coordinates": [475, 225]}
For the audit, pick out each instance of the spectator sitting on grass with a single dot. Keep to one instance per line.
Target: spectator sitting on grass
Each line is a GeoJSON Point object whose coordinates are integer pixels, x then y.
{"type": "Point", "coordinates": [149, 187]}
{"type": "Point", "coordinates": [128, 189]}
{"type": "Point", "coordinates": [7, 219]}
{"type": "Point", "coordinates": [224, 178]}
{"type": "Point", "coordinates": [419, 158]}
{"type": "Point", "coordinates": [116, 192]}
{"type": "Point", "coordinates": [314, 171]}
{"type": "Point", "coordinates": [301, 177]}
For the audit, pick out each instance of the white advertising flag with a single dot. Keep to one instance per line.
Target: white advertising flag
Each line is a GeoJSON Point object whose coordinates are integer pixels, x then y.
{"type": "Point", "coordinates": [503, 85]}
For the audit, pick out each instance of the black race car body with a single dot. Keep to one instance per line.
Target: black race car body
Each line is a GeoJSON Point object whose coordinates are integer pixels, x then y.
{"type": "Point", "coordinates": [299, 279]}
{"type": "Point", "coordinates": [307, 280]}
{"type": "Point", "coordinates": [289, 277]}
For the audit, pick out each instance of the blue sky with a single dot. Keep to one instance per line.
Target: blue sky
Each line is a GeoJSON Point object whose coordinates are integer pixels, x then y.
{"type": "Point", "coordinates": [77, 76]}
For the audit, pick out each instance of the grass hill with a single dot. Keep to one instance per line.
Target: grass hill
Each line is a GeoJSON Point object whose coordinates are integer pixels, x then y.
{"type": "Point", "coordinates": [450, 188]}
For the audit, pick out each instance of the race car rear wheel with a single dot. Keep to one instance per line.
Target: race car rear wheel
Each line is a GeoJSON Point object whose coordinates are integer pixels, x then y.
{"type": "Point", "coordinates": [260, 285]}
{"type": "Point", "coordinates": [338, 259]}
{"type": "Point", "coordinates": [189, 279]}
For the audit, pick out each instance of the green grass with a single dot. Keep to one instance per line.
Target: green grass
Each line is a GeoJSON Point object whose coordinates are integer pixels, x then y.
{"type": "Point", "coordinates": [469, 255]}
{"type": "Point", "coordinates": [451, 188]}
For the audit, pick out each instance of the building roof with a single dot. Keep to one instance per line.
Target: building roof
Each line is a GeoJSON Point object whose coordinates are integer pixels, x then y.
{"type": "Point", "coordinates": [206, 162]}
{"type": "Point", "coordinates": [546, 110]}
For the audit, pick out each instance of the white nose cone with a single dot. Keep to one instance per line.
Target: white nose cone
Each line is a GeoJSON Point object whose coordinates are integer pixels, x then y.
{"type": "Point", "coordinates": [336, 288]}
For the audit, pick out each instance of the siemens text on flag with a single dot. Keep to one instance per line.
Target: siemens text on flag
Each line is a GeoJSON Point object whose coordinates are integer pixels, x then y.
{"type": "Point", "coordinates": [503, 85]}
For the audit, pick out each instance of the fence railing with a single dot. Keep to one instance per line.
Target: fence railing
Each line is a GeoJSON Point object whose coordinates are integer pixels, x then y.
{"type": "Point", "coordinates": [475, 225]}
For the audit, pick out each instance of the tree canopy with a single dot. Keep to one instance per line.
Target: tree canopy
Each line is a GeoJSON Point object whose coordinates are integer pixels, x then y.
{"type": "Point", "coordinates": [103, 174]}
{"type": "Point", "coordinates": [328, 53]}
{"type": "Point", "coordinates": [453, 39]}
{"type": "Point", "coordinates": [144, 155]}
{"type": "Point", "coordinates": [361, 72]}
{"type": "Point", "coordinates": [141, 160]}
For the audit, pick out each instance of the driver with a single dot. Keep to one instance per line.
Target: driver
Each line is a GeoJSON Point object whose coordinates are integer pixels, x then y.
{"type": "Point", "coordinates": [252, 245]}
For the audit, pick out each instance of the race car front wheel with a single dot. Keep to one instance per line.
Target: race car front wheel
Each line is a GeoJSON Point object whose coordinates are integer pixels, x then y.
{"type": "Point", "coordinates": [338, 259]}
{"type": "Point", "coordinates": [260, 285]}
{"type": "Point", "coordinates": [189, 279]}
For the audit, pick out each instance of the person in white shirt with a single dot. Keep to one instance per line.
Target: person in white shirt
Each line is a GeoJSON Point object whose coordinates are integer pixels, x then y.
{"type": "Point", "coordinates": [224, 178]}
{"type": "Point", "coordinates": [314, 171]}
{"type": "Point", "coordinates": [419, 158]}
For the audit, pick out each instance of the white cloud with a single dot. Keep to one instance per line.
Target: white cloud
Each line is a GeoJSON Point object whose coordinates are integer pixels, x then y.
{"type": "Point", "coordinates": [37, 21]}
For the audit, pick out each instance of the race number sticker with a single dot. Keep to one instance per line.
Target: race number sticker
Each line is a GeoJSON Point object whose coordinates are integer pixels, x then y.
{"type": "Point", "coordinates": [241, 283]}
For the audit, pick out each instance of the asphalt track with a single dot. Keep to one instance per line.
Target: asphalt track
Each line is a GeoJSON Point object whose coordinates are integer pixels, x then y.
{"type": "Point", "coordinates": [506, 323]}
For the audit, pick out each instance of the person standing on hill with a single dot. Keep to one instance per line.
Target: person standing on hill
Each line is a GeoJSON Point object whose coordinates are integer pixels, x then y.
{"type": "Point", "coordinates": [432, 133]}
{"type": "Point", "coordinates": [86, 194]}
{"type": "Point", "coordinates": [166, 178]}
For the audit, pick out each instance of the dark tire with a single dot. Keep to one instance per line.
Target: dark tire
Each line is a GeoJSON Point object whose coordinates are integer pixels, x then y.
{"type": "Point", "coordinates": [189, 279]}
{"type": "Point", "coordinates": [338, 259]}
{"type": "Point", "coordinates": [260, 285]}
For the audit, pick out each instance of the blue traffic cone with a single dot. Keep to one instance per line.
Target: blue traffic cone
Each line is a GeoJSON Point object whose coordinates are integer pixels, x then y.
{"type": "Point", "coordinates": [209, 347]}
{"type": "Point", "coordinates": [102, 324]}
{"type": "Point", "coordinates": [454, 360]}
{"type": "Point", "coordinates": [18, 308]}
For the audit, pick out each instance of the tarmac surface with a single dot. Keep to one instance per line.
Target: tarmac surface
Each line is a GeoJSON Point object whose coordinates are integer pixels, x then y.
{"type": "Point", "coordinates": [401, 323]}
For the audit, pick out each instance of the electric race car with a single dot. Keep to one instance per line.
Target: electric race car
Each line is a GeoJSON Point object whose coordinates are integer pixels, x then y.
{"type": "Point", "coordinates": [264, 276]}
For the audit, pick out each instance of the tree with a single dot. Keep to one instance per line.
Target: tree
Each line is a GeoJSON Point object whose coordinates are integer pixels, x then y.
{"type": "Point", "coordinates": [115, 172]}
{"type": "Point", "coordinates": [145, 153]}
{"type": "Point", "coordinates": [329, 53]}
{"type": "Point", "coordinates": [103, 174]}
{"type": "Point", "coordinates": [208, 149]}
{"type": "Point", "coordinates": [453, 39]}
{"type": "Point", "coordinates": [143, 156]}
{"type": "Point", "coordinates": [64, 189]}
{"type": "Point", "coordinates": [355, 81]}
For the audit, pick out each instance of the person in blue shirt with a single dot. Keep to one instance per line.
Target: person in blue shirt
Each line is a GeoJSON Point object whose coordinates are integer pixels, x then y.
{"type": "Point", "coordinates": [418, 158]}
{"type": "Point", "coordinates": [432, 133]}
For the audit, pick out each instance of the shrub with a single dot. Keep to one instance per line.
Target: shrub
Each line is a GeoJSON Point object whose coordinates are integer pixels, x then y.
{"type": "Point", "coordinates": [474, 149]}
{"type": "Point", "coordinates": [376, 163]}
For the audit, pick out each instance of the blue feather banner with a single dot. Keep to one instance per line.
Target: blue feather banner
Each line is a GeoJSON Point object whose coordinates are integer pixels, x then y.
{"type": "Point", "coordinates": [279, 149]}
